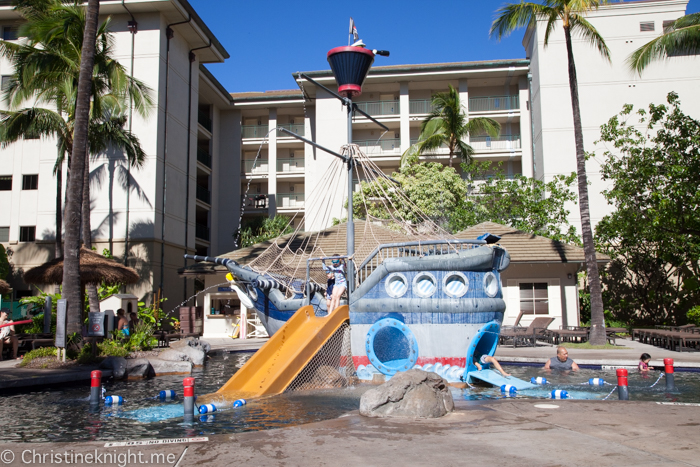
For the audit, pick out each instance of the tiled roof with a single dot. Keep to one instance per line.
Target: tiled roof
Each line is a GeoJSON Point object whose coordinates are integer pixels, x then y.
{"type": "Point", "coordinates": [528, 248]}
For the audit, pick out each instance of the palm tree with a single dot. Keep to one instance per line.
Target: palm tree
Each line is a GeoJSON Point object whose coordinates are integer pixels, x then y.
{"type": "Point", "coordinates": [680, 38]}
{"type": "Point", "coordinates": [571, 14]}
{"type": "Point", "coordinates": [47, 70]}
{"type": "Point", "coordinates": [448, 125]}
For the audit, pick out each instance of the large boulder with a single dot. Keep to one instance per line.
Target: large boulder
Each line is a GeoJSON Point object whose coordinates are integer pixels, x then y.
{"type": "Point", "coordinates": [191, 342]}
{"type": "Point", "coordinates": [184, 354]}
{"type": "Point", "coordinates": [164, 367]}
{"type": "Point", "coordinates": [118, 366]}
{"type": "Point", "coordinates": [410, 394]}
{"type": "Point", "coordinates": [137, 368]}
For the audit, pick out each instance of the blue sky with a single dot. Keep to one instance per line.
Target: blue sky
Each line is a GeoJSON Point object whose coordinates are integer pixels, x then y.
{"type": "Point", "coordinates": [268, 40]}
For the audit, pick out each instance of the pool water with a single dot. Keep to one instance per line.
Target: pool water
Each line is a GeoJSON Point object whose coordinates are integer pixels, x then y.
{"type": "Point", "coordinates": [63, 414]}
{"type": "Point", "coordinates": [687, 385]}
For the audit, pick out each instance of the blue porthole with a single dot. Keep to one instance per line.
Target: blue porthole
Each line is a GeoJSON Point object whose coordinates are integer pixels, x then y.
{"type": "Point", "coordinates": [490, 284]}
{"type": "Point", "coordinates": [455, 284]}
{"type": "Point", "coordinates": [424, 284]}
{"type": "Point", "coordinates": [396, 285]}
{"type": "Point", "coordinates": [391, 346]}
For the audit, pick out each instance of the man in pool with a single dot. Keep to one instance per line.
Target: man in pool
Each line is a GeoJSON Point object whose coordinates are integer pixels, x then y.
{"type": "Point", "coordinates": [561, 361]}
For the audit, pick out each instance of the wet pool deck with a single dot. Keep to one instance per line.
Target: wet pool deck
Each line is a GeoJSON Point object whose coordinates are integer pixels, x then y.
{"type": "Point", "coordinates": [574, 433]}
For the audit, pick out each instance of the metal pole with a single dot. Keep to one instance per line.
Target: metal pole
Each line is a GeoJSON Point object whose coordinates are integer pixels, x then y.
{"type": "Point", "coordinates": [351, 224]}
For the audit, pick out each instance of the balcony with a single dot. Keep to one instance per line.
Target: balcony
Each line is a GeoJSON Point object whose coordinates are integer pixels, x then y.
{"type": "Point", "coordinates": [254, 131]}
{"type": "Point", "coordinates": [290, 200]}
{"type": "Point", "coordinates": [204, 120]}
{"type": "Point", "coordinates": [297, 128]}
{"type": "Point", "coordinates": [201, 232]}
{"type": "Point", "coordinates": [420, 106]}
{"type": "Point", "coordinates": [383, 146]}
{"type": "Point", "coordinates": [290, 165]}
{"type": "Point", "coordinates": [379, 108]}
{"type": "Point", "coordinates": [255, 201]}
{"type": "Point", "coordinates": [261, 167]}
{"type": "Point", "coordinates": [499, 143]}
{"type": "Point", "coordinates": [204, 157]}
{"type": "Point", "coordinates": [494, 103]}
{"type": "Point", "coordinates": [203, 194]}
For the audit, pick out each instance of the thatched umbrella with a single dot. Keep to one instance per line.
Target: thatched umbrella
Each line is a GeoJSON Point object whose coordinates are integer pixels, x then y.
{"type": "Point", "coordinates": [4, 287]}
{"type": "Point", "coordinates": [94, 269]}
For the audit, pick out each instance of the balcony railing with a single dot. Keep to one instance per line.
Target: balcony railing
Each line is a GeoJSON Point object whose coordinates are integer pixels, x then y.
{"type": "Point", "coordinates": [201, 231]}
{"type": "Point", "coordinates": [290, 200]}
{"type": "Point", "coordinates": [297, 128]}
{"type": "Point", "coordinates": [204, 120]}
{"type": "Point", "coordinates": [261, 167]}
{"type": "Point", "coordinates": [499, 143]}
{"type": "Point", "coordinates": [254, 131]}
{"type": "Point", "coordinates": [255, 201]}
{"type": "Point", "coordinates": [493, 103]}
{"type": "Point", "coordinates": [204, 157]}
{"type": "Point", "coordinates": [383, 146]}
{"type": "Point", "coordinates": [379, 107]}
{"type": "Point", "coordinates": [203, 194]}
{"type": "Point", "coordinates": [420, 106]}
{"type": "Point", "coordinates": [290, 165]}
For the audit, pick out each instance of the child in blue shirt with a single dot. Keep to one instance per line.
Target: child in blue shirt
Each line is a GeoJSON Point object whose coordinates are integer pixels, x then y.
{"type": "Point", "coordinates": [337, 268]}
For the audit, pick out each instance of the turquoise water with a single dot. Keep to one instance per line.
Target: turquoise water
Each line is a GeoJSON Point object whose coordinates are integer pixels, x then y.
{"type": "Point", "coordinates": [63, 414]}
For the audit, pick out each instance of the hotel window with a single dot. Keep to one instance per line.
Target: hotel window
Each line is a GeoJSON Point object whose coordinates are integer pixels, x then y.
{"type": "Point", "coordinates": [5, 182]}
{"type": "Point", "coordinates": [30, 182]}
{"type": "Point", "coordinates": [668, 23]}
{"type": "Point", "coordinates": [5, 82]}
{"type": "Point", "coordinates": [27, 234]}
{"type": "Point", "coordinates": [9, 33]}
{"type": "Point", "coordinates": [534, 299]}
{"type": "Point", "coordinates": [4, 234]}
{"type": "Point", "coordinates": [646, 26]}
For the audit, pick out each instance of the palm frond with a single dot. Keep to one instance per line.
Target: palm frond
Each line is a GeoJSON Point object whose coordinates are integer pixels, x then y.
{"type": "Point", "coordinates": [517, 15]}
{"type": "Point", "coordinates": [579, 25]}
{"type": "Point", "coordinates": [682, 38]}
{"type": "Point", "coordinates": [483, 125]}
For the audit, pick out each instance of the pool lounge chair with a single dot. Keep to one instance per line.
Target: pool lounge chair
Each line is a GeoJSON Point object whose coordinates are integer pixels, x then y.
{"type": "Point", "coordinates": [528, 335]}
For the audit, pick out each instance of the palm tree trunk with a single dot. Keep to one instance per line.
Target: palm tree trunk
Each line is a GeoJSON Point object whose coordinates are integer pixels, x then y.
{"type": "Point", "coordinates": [71, 263]}
{"type": "Point", "coordinates": [58, 251]}
{"type": "Point", "coordinates": [93, 297]}
{"type": "Point", "coordinates": [597, 335]}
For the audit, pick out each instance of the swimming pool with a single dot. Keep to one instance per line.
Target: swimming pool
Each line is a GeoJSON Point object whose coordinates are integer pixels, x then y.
{"type": "Point", "coordinates": [62, 414]}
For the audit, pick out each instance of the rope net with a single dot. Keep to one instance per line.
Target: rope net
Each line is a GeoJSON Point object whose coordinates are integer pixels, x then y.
{"type": "Point", "coordinates": [331, 367]}
{"type": "Point", "coordinates": [389, 217]}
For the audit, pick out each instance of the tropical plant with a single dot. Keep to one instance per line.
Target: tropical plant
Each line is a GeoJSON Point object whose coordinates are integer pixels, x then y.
{"type": "Point", "coordinates": [260, 229]}
{"type": "Point", "coordinates": [47, 71]}
{"type": "Point", "coordinates": [571, 14]}
{"type": "Point", "coordinates": [448, 125]}
{"type": "Point", "coordinates": [682, 37]}
{"type": "Point", "coordinates": [35, 308]}
{"type": "Point", "coordinates": [4, 263]}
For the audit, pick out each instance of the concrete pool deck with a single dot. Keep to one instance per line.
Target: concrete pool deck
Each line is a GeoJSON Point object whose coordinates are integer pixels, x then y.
{"type": "Point", "coordinates": [571, 433]}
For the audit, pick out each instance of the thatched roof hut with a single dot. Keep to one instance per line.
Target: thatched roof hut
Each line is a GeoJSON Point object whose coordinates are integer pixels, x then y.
{"type": "Point", "coordinates": [4, 287]}
{"type": "Point", "coordinates": [94, 269]}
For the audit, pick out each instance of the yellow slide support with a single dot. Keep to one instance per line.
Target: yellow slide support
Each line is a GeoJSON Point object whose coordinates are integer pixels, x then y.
{"type": "Point", "coordinates": [273, 368]}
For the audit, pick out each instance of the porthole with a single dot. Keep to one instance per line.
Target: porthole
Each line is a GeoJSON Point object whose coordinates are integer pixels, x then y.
{"type": "Point", "coordinates": [396, 285]}
{"type": "Point", "coordinates": [490, 284]}
{"type": "Point", "coordinates": [424, 284]}
{"type": "Point", "coordinates": [391, 346]}
{"type": "Point", "coordinates": [455, 284]}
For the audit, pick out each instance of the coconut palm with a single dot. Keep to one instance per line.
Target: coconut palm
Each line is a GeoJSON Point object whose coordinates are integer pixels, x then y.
{"type": "Point", "coordinates": [448, 125]}
{"type": "Point", "coordinates": [682, 37]}
{"type": "Point", "coordinates": [571, 14]}
{"type": "Point", "coordinates": [47, 69]}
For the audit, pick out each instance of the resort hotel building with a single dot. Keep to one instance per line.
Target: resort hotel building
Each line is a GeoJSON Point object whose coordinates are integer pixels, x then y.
{"type": "Point", "coordinates": [212, 152]}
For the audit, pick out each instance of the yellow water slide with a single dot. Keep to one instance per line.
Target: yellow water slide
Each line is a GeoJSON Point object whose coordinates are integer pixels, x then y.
{"type": "Point", "coordinates": [273, 368]}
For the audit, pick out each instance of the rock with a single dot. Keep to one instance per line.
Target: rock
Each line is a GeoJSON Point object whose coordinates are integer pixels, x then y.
{"type": "Point", "coordinates": [116, 364]}
{"type": "Point", "coordinates": [184, 354]}
{"type": "Point", "coordinates": [193, 343]}
{"type": "Point", "coordinates": [138, 368]}
{"type": "Point", "coordinates": [411, 394]}
{"type": "Point", "coordinates": [173, 355]}
{"type": "Point", "coordinates": [163, 367]}
{"type": "Point", "coordinates": [181, 343]}
{"type": "Point", "coordinates": [194, 354]}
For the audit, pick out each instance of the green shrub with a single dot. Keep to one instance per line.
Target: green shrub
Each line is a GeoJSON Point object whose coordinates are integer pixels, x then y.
{"type": "Point", "coordinates": [85, 355]}
{"type": "Point", "coordinates": [37, 353]}
{"type": "Point", "coordinates": [694, 315]}
{"type": "Point", "coordinates": [112, 348]}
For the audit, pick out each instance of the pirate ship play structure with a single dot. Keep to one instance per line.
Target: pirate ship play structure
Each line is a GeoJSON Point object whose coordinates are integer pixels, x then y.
{"type": "Point", "coordinates": [423, 300]}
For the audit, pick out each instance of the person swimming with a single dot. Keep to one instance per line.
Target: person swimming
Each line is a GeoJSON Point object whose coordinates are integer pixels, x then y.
{"type": "Point", "coordinates": [644, 360]}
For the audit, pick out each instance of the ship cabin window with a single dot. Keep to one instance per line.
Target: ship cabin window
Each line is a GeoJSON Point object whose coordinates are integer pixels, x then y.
{"type": "Point", "coordinates": [534, 298]}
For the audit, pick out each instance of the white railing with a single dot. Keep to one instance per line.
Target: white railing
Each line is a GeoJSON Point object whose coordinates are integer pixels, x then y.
{"type": "Point", "coordinates": [297, 128]}
{"type": "Point", "coordinates": [383, 146]}
{"type": "Point", "coordinates": [497, 143]}
{"type": "Point", "coordinates": [261, 166]}
{"type": "Point", "coordinates": [290, 200]}
{"type": "Point", "coordinates": [290, 165]}
{"type": "Point", "coordinates": [375, 108]}
{"type": "Point", "coordinates": [493, 103]}
{"type": "Point", "coordinates": [254, 131]}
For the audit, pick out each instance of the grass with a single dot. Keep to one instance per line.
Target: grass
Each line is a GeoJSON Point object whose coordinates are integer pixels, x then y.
{"type": "Point", "coordinates": [587, 345]}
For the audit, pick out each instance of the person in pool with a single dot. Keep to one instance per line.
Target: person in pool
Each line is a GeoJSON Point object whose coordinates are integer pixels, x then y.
{"type": "Point", "coordinates": [561, 361]}
{"type": "Point", "coordinates": [338, 269]}
{"type": "Point", "coordinates": [480, 360]}
{"type": "Point", "coordinates": [644, 360]}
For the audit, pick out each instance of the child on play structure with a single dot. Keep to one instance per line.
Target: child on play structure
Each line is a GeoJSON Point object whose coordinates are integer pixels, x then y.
{"type": "Point", "coordinates": [329, 289]}
{"type": "Point", "coordinates": [484, 359]}
{"type": "Point", "coordinates": [337, 268]}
